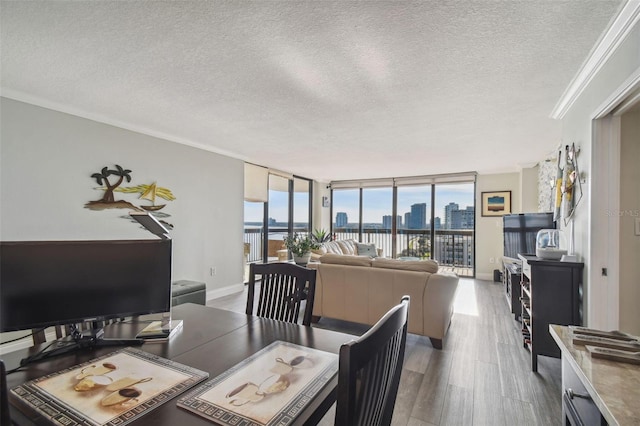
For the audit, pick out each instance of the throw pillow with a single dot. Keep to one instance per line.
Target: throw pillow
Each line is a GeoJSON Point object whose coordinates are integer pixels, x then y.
{"type": "Point", "coordinates": [367, 250]}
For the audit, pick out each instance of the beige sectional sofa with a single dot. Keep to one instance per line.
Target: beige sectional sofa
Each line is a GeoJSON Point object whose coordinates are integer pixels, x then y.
{"type": "Point", "coordinates": [362, 289]}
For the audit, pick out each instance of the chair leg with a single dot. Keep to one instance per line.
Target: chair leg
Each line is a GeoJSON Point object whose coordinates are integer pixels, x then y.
{"type": "Point", "coordinates": [436, 343]}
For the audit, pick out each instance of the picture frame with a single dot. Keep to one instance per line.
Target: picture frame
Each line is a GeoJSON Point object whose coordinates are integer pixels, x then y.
{"type": "Point", "coordinates": [496, 203]}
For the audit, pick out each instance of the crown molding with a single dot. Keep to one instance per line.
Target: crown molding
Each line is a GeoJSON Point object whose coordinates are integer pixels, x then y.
{"type": "Point", "coordinates": [617, 32]}
{"type": "Point", "coordinates": [619, 100]}
{"type": "Point", "coordinates": [19, 96]}
{"type": "Point", "coordinates": [528, 165]}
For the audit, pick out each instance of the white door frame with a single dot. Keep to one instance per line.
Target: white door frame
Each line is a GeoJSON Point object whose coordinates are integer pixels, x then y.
{"type": "Point", "coordinates": [604, 232]}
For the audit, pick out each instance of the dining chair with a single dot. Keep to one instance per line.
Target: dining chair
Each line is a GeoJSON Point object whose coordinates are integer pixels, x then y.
{"type": "Point", "coordinates": [369, 371]}
{"type": "Point", "coordinates": [283, 287]}
{"type": "Point", "coordinates": [39, 334]}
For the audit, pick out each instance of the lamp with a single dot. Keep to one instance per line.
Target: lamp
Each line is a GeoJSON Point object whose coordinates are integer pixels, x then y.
{"type": "Point", "coordinates": [151, 224]}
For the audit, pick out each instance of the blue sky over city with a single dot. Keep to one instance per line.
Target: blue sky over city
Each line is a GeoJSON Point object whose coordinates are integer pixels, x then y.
{"type": "Point", "coordinates": [377, 202]}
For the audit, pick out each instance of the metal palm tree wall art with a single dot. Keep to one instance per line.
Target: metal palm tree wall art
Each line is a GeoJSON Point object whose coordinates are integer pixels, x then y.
{"type": "Point", "coordinates": [148, 192]}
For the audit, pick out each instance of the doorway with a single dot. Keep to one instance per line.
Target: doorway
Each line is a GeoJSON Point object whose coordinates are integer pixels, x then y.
{"type": "Point", "coordinates": [615, 209]}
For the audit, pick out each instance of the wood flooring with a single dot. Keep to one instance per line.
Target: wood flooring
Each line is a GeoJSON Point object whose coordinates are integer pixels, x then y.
{"type": "Point", "coordinates": [481, 377]}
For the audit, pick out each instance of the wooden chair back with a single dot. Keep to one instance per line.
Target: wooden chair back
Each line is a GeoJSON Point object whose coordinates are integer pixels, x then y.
{"type": "Point", "coordinates": [283, 288]}
{"type": "Point", "coordinates": [369, 371]}
{"type": "Point", "coordinates": [39, 335]}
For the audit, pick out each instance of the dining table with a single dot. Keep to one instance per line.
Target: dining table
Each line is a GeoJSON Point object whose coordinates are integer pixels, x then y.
{"type": "Point", "coordinates": [211, 340]}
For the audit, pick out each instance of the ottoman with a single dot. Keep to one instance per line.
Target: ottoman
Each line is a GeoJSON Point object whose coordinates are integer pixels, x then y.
{"type": "Point", "coordinates": [187, 292]}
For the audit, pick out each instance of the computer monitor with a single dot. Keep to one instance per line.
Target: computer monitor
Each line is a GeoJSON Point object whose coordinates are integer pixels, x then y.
{"type": "Point", "coordinates": [45, 283]}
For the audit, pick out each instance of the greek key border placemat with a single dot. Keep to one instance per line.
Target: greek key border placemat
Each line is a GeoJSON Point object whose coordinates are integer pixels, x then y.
{"type": "Point", "coordinates": [271, 387]}
{"type": "Point", "coordinates": [111, 390]}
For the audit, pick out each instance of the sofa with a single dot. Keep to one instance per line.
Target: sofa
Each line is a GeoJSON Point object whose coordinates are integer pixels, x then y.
{"type": "Point", "coordinates": [348, 247]}
{"type": "Point", "coordinates": [362, 289]}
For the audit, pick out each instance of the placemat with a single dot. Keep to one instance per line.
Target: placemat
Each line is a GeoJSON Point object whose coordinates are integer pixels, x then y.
{"type": "Point", "coordinates": [268, 388]}
{"type": "Point", "coordinates": [114, 389]}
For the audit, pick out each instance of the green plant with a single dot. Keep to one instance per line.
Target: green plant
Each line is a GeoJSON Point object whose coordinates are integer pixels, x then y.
{"type": "Point", "coordinates": [299, 245]}
{"type": "Point", "coordinates": [321, 236]}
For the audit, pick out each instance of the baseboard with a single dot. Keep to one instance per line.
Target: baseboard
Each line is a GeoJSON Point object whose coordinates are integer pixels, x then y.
{"type": "Point", "coordinates": [224, 291]}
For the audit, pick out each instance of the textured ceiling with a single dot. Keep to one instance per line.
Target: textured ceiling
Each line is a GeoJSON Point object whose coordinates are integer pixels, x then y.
{"type": "Point", "coordinates": [329, 90]}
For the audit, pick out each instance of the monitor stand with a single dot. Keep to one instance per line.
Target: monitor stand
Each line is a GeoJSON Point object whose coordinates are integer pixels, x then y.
{"type": "Point", "coordinates": [78, 340]}
{"type": "Point", "coordinates": [160, 330]}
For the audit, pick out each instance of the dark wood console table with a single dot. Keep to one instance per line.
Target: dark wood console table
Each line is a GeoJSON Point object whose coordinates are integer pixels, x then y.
{"type": "Point", "coordinates": [551, 293]}
{"type": "Point", "coordinates": [212, 340]}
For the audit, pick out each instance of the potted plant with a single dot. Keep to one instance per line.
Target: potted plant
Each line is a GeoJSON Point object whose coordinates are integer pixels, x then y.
{"type": "Point", "coordinates": [321, 236]}
{"type": "Point", "coordinates": [300, 247]}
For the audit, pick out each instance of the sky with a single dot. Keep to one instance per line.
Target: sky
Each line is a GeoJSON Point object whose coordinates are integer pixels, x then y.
{"type": "Point", "coordinates": [376, 202]}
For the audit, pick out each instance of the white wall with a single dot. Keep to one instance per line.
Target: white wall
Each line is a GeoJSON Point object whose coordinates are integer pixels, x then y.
{"type": "Point", "coordinates": [47, 161]}
{"type": "Point", "coordinates": [321, 215]}
{"type": "Point", "coordinates": [577, 127]}
{"type": "Point", "coordinates": [489, 243]}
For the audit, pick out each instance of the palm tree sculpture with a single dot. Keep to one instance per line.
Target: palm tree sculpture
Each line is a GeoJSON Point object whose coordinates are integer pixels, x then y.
{"type": "Point", "coordinates": [103, 178]}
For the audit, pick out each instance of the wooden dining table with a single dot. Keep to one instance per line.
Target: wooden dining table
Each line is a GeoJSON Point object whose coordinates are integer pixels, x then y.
{"type": "Point", "coordinates": [211, 340]}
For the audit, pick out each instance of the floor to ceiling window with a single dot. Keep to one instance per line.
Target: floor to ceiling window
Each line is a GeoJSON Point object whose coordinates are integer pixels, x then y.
{"type": "Point", "coordinates": [278, 214]}
{"type": "Point", "coordinates": [413, 237]}
{"type": "Point", "coordinates": [377, 206]}
{"type": "Point", "coordinates": [276, 204]}
{"type": "Point", "coordinates": [411, 218]}
{"type": "Point", "coordinates": [253, 230]}
{"type": "Point", "coordinates": [301, 205]}
{"type": "Point", "coordinates": [454, 240]}
{"type": "Point", "coordinates": [345, 207]}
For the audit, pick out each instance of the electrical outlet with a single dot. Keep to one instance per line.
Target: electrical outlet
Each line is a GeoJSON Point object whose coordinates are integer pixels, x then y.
{"type": "Point", "coordinates": [638, 226]}
{"type": "Point", "coordinates": [492, 260]}
{"type": "Point", "coordinates": [212, 271]}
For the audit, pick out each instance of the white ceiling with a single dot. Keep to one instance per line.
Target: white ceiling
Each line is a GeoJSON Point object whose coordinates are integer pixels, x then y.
{"type": "Point", "coordinates": [329, 90]}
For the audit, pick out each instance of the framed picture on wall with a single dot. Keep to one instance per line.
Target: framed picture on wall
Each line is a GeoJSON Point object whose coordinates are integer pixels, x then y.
{"type": "Point", "coordinates": [496, 203]}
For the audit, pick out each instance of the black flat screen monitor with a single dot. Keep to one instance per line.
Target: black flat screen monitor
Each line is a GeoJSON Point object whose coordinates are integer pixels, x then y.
{"type": "Point", "coordinates": [47, 283]}
{"type": "Point", "coordinates": [520, 232]}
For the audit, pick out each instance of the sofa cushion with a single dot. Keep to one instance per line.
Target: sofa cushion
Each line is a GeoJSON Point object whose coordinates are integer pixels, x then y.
{"type": "Point", "coordinates": [348, 246]}
{"type": "Point", "coordinates": [341, 259]}
{"type": "Point", "coordinates": [367, 250]}
{"type": "Point", "coordinates": [430, 266]}
{"type": "Point", "coordinates": [332, 247]}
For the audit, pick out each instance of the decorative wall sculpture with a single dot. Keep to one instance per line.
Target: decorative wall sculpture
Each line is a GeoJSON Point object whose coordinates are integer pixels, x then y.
{"type": "Point", "coordinates": [148, 192]}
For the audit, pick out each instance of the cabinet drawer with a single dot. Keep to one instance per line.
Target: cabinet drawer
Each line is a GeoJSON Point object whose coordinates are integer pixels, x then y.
{"type": "Point", "coordinates": [578, 408]}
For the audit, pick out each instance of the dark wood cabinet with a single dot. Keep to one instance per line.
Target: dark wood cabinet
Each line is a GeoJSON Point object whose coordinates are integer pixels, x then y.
{"type": "Point", "coordinates": [551, 293]}
{"type": "Point", "coordinates": [511, 277]}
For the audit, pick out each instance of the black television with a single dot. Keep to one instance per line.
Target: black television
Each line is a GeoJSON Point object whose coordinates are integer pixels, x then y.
{"type": "Point", "coordinates": [520, 230]}
{"type": "Point", "coordinates": [45, 283]}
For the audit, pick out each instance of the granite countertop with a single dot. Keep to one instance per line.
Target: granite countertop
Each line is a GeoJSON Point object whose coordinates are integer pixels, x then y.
{"type": "Point", "coordinates": [614, 386]}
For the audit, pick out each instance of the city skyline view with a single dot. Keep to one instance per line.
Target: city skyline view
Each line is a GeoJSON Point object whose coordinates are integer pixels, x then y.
{"type": "Point", "coordinates": [377, 203]}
